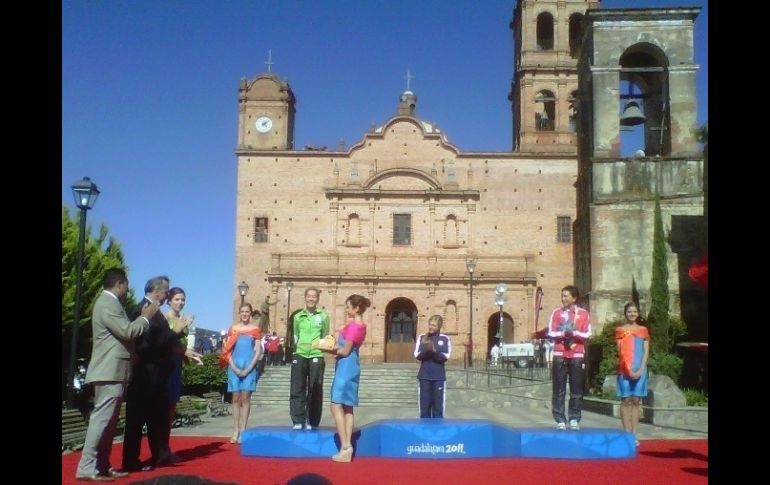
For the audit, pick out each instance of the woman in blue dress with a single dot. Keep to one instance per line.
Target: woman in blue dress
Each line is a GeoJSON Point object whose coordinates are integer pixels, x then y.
{"type": "Point", "coordinates": [241, 353]}
{"type": "Point", "coordinates": [633, 342]}
{"type": "Point", "coordinates": [344, 394]}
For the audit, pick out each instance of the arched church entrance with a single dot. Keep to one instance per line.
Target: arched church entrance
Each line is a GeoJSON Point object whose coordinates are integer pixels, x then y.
{"type": "Point", "coordinates": [400, 330]}
{"type": "Point", "coordinates": [494, 336]}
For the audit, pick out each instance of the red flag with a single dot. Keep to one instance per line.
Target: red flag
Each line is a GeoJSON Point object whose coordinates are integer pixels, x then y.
{"type": "Point", "coordinates": [699, 271]}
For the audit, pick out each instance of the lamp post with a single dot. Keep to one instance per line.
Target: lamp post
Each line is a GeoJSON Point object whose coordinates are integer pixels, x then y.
{"type": "Point", "coordinates": [500, 300]}
{"type": "Point", "coordinates": [538, 304]}
{"type": "Point", "coordinates": [85, 193]}
{"type": "Point", "coordinates": [287, 344]}
{"type": "Point", "coordinates": [470, 265]}
{"type": "Point", "coordinates": [243, 288]}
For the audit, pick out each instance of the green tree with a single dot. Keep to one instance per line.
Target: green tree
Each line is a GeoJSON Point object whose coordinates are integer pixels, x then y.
{"type": "Point", "coordinates": [658, 317]}
{"type": "Point", "coordinates": [99, 254]}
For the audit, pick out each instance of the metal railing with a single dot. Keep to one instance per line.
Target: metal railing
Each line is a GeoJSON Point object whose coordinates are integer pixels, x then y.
{"type": "Point", "coordinates": [535, 371]}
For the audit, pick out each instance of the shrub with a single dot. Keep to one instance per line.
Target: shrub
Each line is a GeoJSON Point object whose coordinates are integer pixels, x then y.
{"type": "Point", "coordinates": [677, 328]}
{"type": "Point", "coordinates": [209, 375]}
{"type": "Point", "coordinates": [609, 350]}
{"type": "Point", "coordinates": [695, 397]}
{"type": "Point", "coordinates": [666, 364]}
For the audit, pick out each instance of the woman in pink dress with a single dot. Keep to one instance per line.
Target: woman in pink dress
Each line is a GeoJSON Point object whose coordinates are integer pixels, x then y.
{"type": "Point", "coordinates": [344, 394]}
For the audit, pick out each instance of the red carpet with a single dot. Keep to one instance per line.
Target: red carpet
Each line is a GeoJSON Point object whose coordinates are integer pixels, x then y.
{"type": "Point", "coordinates": [662, 461]}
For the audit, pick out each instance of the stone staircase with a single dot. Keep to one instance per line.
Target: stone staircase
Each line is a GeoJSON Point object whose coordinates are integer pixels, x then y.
{"type": "Point", "coordinates": [382, 385]}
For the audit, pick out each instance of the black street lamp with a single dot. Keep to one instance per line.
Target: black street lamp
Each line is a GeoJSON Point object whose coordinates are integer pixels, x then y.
{"type": "Point", "coordinates": [243, 288]}
{"type": "Point", "coordinates": [286, 344]}
{"type": "Point", "coordinates": [85, 193]}
{"type": "Point", "coordinates": [470, 265]}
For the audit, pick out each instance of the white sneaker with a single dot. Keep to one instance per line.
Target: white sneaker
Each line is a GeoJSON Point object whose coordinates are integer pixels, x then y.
{"type": "Point", "coordinates": [308, 427]}
{"type": "Point", "coordinates": [297, 427]}
{"type": "Point", "coordinates": [561, 426]}
{"type": "Point", "coordinates": [573, 425]}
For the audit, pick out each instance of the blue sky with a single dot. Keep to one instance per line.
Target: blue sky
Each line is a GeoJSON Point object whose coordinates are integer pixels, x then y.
{"type": "Point", "coordinates": [149, 105]}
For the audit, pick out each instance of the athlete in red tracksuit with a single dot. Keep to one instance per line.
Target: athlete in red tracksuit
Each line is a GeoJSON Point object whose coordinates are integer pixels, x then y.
{"type": "Point", "coordinates": [570, 328]}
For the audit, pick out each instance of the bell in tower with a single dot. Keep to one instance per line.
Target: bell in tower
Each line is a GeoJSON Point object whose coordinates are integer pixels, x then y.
{"type": "Point", "coordinates": [407, 103]}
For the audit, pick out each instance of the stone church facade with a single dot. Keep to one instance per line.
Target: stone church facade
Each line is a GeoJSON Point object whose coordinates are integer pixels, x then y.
{"type": "Point", "coordinates": [399, 215]}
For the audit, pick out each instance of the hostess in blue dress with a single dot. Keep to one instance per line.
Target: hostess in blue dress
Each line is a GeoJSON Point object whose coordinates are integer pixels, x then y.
{"type": "Point", "coordinates": [631, 356]}
{"type": "Point", "coordinates": [243, 352]}
{"type": "Point", "coordinates": [347, 370]}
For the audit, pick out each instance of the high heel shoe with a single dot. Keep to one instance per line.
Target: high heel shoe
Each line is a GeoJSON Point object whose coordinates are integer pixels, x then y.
{"type": "Point", "coordinates": [344, 455]}
{"type": "Point", "coordinates": [236, 438]}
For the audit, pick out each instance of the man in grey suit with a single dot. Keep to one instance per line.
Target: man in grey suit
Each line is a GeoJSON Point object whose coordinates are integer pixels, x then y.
{"type": "Point", "coordinates": [109, 371]}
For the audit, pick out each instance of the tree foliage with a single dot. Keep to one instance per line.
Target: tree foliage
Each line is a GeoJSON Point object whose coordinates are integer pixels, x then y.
{"type": "Point", "coordinates": [100, 253]}
{"type": "Point", "coordinates": [608, 365]}
{"type": "Point", "coordinates": [658, 318]}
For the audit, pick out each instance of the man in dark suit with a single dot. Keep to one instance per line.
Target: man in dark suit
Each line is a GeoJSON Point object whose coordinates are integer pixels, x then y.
{"type": "Point", "coordinates": [109, 371]}
{"type": "Point", "coordinates": [146, 399]}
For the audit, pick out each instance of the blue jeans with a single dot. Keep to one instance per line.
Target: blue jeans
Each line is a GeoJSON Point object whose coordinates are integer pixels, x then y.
{"type": "Point", "coordinates": [562, 370]}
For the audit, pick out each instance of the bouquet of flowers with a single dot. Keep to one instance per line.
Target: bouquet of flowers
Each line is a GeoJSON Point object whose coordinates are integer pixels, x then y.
{"type": "Point", "coordinates": [327, 343]}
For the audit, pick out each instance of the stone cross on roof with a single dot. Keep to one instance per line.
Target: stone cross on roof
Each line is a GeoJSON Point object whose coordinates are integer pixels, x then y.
{"type": "Point", "coordinates": [269, 61]}
{"type": "Point", "coordinates": [409, 78]}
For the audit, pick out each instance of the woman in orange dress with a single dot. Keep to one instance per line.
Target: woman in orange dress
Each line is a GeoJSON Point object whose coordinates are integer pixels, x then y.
{"type": "Point", "coordinates": [241, 352]}
{"type": "Point", "coordinates": [633, 351]}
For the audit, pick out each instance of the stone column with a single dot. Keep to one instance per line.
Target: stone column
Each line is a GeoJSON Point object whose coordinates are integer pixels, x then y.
{"type": "Point", "coordinates": [681, 86]}
{"type": "Point", "coordinates": [606, 109]}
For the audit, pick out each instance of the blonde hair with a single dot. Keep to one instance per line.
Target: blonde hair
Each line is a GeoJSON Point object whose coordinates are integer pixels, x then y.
{"type": "Point", "coordinates": [436, 318]}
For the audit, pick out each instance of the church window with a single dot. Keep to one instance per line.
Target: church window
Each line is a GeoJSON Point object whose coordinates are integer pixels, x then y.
{"type": "Point", "coordinates": [260, 229]}
{"type": "Point", "coordinates": [563, 229]}
{"type": "Point", "coordinates": [545, 111]}
{"type": "Point", "coordinates": [450, 230]}
{"type": "Point", "coordinates": [450, 317]}
{"type": "Point", "coordinates": [353, 230]}
{"type": "Point", "coordinates": [575, 34]}
{"type": "Point", "coordinates": [402, 229]}
{"type": "Point", "coordinates": [545, 32]}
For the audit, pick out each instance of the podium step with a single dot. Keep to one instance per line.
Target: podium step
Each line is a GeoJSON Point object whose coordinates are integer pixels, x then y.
{"type": "Point", "coordinates": [441, 439]}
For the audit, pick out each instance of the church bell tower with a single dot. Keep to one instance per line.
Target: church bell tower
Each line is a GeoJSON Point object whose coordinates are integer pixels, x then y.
{"type": "Point", "coordinates": [266, 113]}
{"type": "Point", "coordinates": [547, 38]}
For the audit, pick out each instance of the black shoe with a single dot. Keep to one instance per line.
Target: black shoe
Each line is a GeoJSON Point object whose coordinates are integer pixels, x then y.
{"type": "Point", "coordinates": [133, 467]}
{"type": "Point", "coordinates": [170, 459]}
{"type": "Point", "coordinates": [115, 473]}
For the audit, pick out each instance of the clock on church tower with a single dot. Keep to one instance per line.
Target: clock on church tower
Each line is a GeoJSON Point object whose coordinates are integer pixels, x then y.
{"type": "Point", "coordinates": [266, 113]}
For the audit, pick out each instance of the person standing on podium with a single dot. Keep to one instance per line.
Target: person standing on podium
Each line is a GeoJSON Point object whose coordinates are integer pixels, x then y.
{"type": "Point", "coordinates": [308, 364]}
{"type": "Point", "coordinates": [432, 350]}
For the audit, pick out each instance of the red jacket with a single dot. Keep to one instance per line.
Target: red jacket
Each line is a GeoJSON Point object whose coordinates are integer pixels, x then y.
{"type": "Point", "coordinates": [565, 320]}
{"type": "Point", "coordinates": [273, 344]}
